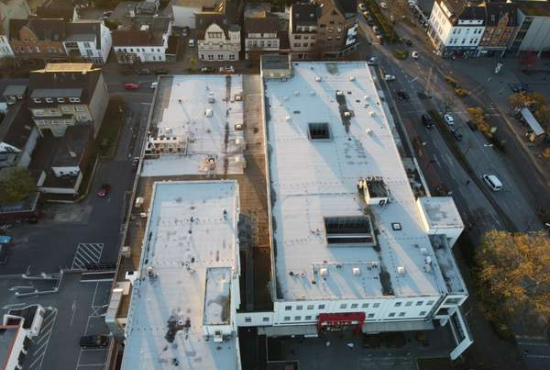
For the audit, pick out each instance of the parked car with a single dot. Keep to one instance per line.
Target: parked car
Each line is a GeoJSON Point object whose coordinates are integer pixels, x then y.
{"type": "Point", "coordinates": [402, 95]}
{"type": "Point", "coordinates": [135, 163]}
{"type": "Point", "coordinates": [191, 43]}
{"type": "Point", "coordinates": [376, 30]}
{"type": "Point", "coordinates": [471, 125]}
{"type": "Point", "coordinates": [131, 86]}
{"type": "Point", "coordinates": [372, 61]}
{"type": "Point", "coordinates": [449, 119]}
{"type": "Point", "coordinates": [161, 71]}
{"type": "Point", "coordinates": [414, 54]}
{"type": "Point", "coordinates": [389, 77]}
{"type": "Point", "coordinates": [456, 134]}
{"type": "Point", "coordinates": [208, 70]}
{"type": "Point", "coordinates": [154, 85]}
{"type": "Point", "coordinates": [408, 42]}
{"type": "Point", "coordinates": [427, 121]}
{"type": "Point", "coordinates": [227, 69]}
{"type": "Point", "coordinates": [104, 190]}
{"type": "Point", "coordinates": [362, 6]}
{"type": "Point", "coordinates": [94, 341]}
{"type": "Point", "coordinates": [493, 182]}
{"type": "Point", "coordinates": [185, 31]}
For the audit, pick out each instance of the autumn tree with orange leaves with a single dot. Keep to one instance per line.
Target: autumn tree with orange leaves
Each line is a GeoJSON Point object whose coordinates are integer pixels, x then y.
{"type": "Point", "coordinates": [515, 273]}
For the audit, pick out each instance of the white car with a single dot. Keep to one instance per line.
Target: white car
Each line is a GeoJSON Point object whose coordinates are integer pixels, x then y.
{"type": "Point", "coordinates": [414, 54]}
{"type": "Point", "coordinates": [384, 5]}
{"type": "Point", "coordinates": [191, 43]}
{"type": "Point", "coordinates": [389, 77]}
{"type": "Point", "coordinates": [154, 85]}
{"type": "Point", "coordinates": [493, 182]}
{"type": "Point", "coordinates": [227, 69]}
{"type": "Point", "coordinates": [449, 119]}
{"type": "Point", "coordinates": [372, 61]}
{"type": "Point", "coordinates": [362, 7]}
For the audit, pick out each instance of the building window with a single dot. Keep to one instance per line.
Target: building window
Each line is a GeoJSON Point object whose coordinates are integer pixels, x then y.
{"type": "Point", "coordinates": [419, 303]}
{"type": "Point", "coordinates": [348, 230]}
{"type": "Point", "coordinates": [452, 301]}
{"type": "Point", "coordinates": [376, 305]}
{"type": "Point", "coordinates": [297, 37]}
{"type": "Point", "coordinates": [297, 44]}
{"type": "Point", "coordinates": [210, 57]}
{"type": "Point", "coordinates": [297, 318]}
{"type": "Point", "coordinates": [370, 316]}
{"type": "Point", "coordinates": [429, 303]}
{"type": "Point", "coordinates": [343, 306]}
{"type": "Point", "coordinates": [397, 304]}
{"type": "Point", "coordinates": [265, 319]}
{"type": "Point", "coordinates": [401, 314]}
{"type": "Point", "coordinates": [299, 307]}
{"type": "Point", "coordinates": [422, 313]}
{"type": "Point", "coordinates": [365, 305]}
{"type": "Point", "coordinates": [220, 56]}
{"type": "Point", "coordinates": [354, 305]}
{"type": "Point", "coordinates": [305, 44]}
{"type": "Point", "coordinates": [288, 308]}
{"type": "Point", "coordinates": [310, 307]}
{"type": "Point", "coordinates": [247, 319]}
{"type": "Point", "coordinates": [287, 318]}
{"type": "Point", "coordinates": [231, 57]}
{"type": "Point", "coordinates": [308, 318]}
{"type": "Point", "coordinates": [215, 35]}
{"type": "Point", "coordinates": [408, 304]}
{"type": "Point", "coordinates": [392, 314]}
{"type": "Point", "coordinates": [74, 100]}
{"type": "Point", "coordinates": [321, 307]}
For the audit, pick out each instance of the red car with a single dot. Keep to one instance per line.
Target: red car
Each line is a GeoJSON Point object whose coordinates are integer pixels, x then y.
{"type": "Point", "coordinates": [104, 190]}
{"type": "Point", "coordinates": [131, 86]}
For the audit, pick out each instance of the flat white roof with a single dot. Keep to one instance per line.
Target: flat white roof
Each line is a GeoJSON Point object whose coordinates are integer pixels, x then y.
{"type": "Point", "coordinates": [201, 111]}
{"type": "Point", "coordinates": [315, 179]}
{"type": "Point", "coordinates": [441, 213]}
{"type": "Point", "coordinates": [192, 229]}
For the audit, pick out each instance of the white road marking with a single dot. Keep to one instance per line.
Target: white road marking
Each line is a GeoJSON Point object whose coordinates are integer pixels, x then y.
{"type": "Point", "coordinates": [45, 333]}
{"type": "Point", "coordinates": [87, 253]}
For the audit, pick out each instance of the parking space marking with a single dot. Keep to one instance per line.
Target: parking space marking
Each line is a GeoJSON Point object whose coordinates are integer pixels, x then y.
{"type": "Point", "coordinates": [39, 352]}
{"type": "Point", "coordinates": [86, 254]}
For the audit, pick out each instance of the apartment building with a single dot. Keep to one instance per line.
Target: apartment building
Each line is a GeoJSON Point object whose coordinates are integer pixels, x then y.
{"type": "Point", "coordinates": [262, 30]}
{"type": "Point", "coordinates": [533, 28]}
{"type": "Point", "coordinates": [38, 40]}
{"type": "Point", "coordinates": [456, 27]}
{"type": "Point", "coordinates": [501, 22]}
{"type": "Point", "coordinates": [303, 30]}
{"type": "Point", "coordinates": [219, 31]}
{"type": "Point", "coordinates": [67, 94]}
{"type": "Point", "coordinates": [337, 27]}
{"type": "Point", "coordinates": [88, 41]}
{"type": "Point", "coordinates": [145, 40]}
{"type": "Point", "coordinates": [184, 11]}
{"type": "Point", "coordinates": [12, 9]}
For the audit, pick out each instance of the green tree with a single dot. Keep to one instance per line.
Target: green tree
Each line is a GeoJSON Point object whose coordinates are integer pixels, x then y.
{"type": "Point", "coordinates": [16, 184]}
{"type": "Point", "coordinates": [514, 273]}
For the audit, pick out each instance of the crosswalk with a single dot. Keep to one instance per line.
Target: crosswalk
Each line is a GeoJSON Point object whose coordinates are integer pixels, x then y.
{"type": "Point", "coordinates": [86, 255]}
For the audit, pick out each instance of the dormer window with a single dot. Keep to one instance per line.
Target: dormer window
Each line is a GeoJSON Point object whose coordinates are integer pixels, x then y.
{"type": "Point", "coordinates": [36, 100]}
{"type": "Point", "coordinates": [61, 100]}
{"type": "Point", "coordinates": [74, 100]}
{"type": "Point", "coordinates": [49, 100]}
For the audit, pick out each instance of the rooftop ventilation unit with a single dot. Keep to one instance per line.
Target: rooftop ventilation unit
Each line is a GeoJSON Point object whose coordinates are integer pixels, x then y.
{"type": "Point", "coordinates": [318, 79]}
{"type": "Point", "coordinates": [401, 270]}
{"type": "Point", "coordinates": [151, 272]}
{"type": "Point", "coordinates": [374, 190]}
{"type": "Point", "coordinates": [356, 271]}
{"type": "Point", "coordinates": [339, 93]}
{"type": "Point", "coordinates": [323, 272]}
{"type": "Point", "coordinates": [296, 93]}
{"type": "Point", "coordinates": [352, 78]}
{"type": "Point", "coordinates": [374, 264]}
{"type": "Point", "coordinates": [209, 113]}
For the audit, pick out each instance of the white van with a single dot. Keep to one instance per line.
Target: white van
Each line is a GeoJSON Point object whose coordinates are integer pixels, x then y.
{"type": "Point", "coordinates": [493, 182]}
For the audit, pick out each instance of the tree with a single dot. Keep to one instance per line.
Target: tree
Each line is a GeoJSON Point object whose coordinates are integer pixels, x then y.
{"type": "Point", "coordinates": [16, 184]}
{"type": "Point", "coordinates": [518, 101]}
{"type": "Point", "coordinates": [193, 62]}
{"type": "Point", "coordinates": [514, 273]}
{"type": "Point", "coordinates": [528, 59]}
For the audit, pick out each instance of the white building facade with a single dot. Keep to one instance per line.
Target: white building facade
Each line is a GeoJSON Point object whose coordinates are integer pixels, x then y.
{"type": "Point", "coordinates": [5, 48]}
{"type": "Point", "coordinates": [456, 32]}
{"type": "Point", "coordinates": [92, 47]}
{"type": "Point", "coordinates": [220, 44]}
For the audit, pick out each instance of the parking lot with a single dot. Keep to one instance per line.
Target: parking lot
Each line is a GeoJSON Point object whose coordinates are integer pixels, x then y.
{"type": "Point", "coordinates": [76, 310]}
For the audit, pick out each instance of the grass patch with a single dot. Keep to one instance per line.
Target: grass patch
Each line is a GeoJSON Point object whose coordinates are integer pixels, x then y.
{"type": "Point", "coordinates": [401, 54]}
{"type": "Point", "coordinates": [110, 129]}
{"type": "Point", "coordinates": [386, 28]}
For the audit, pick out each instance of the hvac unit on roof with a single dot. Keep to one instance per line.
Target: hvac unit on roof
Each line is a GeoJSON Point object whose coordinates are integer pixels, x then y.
{"type": "Point", "coordinates": [352, 78]}
{"type": "Point", "coordinates": [209, 113]}
{"type": "Point", "coordinates": [296, 93]}
{"type": "Point", "coordinates": [374, 264]}
{"type": "Point", "coordinates": [401, 270]}
{"type": "Point", "coordinates": [318, 79]}
{"type": "Point", "coordinates": [428, 264]}
{"type": "Point", "coordinates": [347, 114]}
{"type": "Point", "coordinates": [211, 98]}
{"type": "Point", "coordinates": [323, 272]}
{"type": "Point", "coordinates": [312, 93]}
{"type": "Point", "coordinates": [356, 271]}
{"type": "Point", "coordinates": [339, 92]}
{"type": "Point", "coordinates": [372, 113]}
